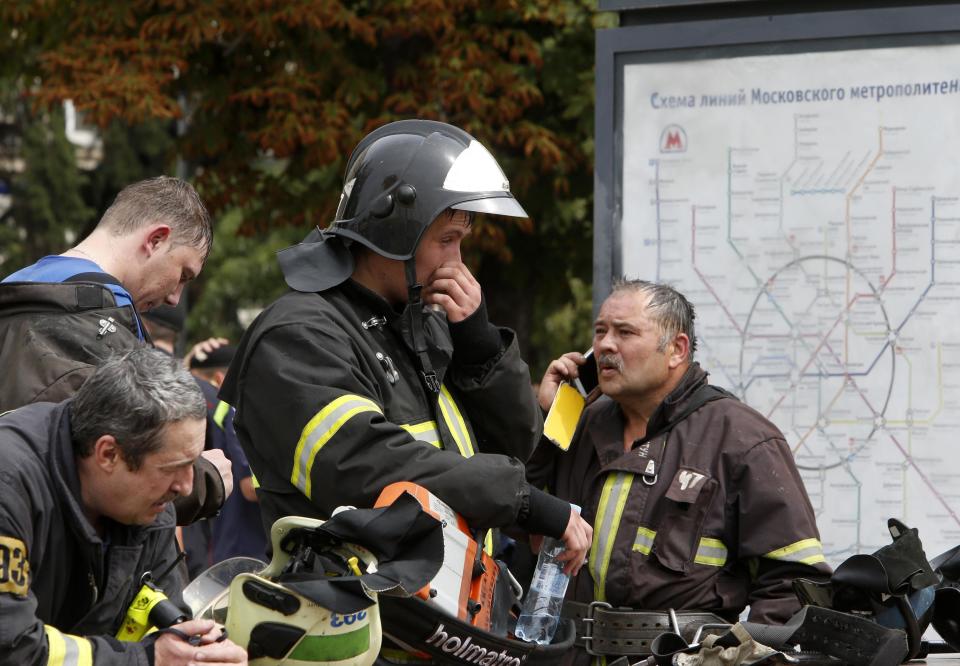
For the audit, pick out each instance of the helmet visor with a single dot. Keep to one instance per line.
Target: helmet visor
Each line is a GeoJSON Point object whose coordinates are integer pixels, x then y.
{"type": "Point", "coordinates": [496, 206]}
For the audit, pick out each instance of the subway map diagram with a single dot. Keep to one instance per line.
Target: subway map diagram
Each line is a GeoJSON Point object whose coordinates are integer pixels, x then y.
{"type": "Point", "coordinates": [809, 206]}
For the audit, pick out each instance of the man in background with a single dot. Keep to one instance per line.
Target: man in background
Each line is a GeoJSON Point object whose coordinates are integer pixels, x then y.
{"type": "Point", "coordinates": [60, 317]}
{"type": "Point", "coordinates": [237, 531]}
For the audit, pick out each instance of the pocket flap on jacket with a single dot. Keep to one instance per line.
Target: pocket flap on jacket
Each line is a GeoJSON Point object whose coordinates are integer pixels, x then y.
{"type": "Point", "coordinates": [686, 485]}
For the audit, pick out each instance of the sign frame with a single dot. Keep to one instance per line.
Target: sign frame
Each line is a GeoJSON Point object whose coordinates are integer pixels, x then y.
{"type": "Point", "coordinates": [877, 27]}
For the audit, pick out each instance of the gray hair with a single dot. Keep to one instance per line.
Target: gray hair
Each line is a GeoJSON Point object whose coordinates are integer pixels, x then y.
{"type": "Point", "coordinates": [670, 309]}
{"type": "Point", "coordinates": [132, 396]}
{"type": "Point", "coordinates": [162, 199]}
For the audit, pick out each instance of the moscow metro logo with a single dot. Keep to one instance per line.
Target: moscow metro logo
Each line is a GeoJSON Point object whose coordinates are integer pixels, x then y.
{"type": "Point", "coordinates": [673, 139]}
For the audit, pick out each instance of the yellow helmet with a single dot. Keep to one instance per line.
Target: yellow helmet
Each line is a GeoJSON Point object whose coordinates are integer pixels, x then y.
{"type": "Point", "coordinates": [281, 625]}
{"type": "Point", "coordinates": [315, 604]}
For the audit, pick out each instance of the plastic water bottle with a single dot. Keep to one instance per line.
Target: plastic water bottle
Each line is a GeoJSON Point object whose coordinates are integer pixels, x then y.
{"type": "Point", "coordinates": [541, 608]}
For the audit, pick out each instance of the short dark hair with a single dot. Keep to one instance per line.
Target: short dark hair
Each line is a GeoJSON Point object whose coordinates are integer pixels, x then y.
{"type": "Point", "coordinates": [132, 396]}
{"type": "Point", "coordinates": [671, 310]}
{"type": "Point", "coordinates": [167, 199]}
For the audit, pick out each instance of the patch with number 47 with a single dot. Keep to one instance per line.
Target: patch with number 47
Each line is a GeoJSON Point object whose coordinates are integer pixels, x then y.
{"type": "Point", "coordinates": [14, 567]}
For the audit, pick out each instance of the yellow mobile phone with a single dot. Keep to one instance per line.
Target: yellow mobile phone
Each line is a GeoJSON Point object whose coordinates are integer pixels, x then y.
{"type": "Point", "coordinates": [564, 414]}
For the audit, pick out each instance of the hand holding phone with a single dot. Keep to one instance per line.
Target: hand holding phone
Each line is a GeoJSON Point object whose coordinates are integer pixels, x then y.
{"type": "Point", "coordinates": [587, 379]}
{"type": "Point", "coordinates": [566, 396]}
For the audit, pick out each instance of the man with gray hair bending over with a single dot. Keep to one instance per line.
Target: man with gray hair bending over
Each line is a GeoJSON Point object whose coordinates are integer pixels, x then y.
{"type": "Point", "coordinates": [86, 515]}
{"type": "Point", "coordinates": [695, 499]}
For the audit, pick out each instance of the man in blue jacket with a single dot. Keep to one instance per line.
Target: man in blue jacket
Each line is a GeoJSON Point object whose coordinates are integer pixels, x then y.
{"type": "Point", "coordinates": [152, 240]}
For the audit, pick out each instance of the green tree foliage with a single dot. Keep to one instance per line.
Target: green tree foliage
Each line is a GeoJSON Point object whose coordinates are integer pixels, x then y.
{"type": "Point", "coordinates": [274, 95]}
{"type": "Point", "coordinates": [131, 153]}
{"type": "Point", "coordinates": [48, 210]}
{"type": "Point", "coordinates": [247, 277]}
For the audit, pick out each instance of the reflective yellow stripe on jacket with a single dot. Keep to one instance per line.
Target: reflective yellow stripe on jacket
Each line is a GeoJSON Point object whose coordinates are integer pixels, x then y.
{"type": "Point", "coordinates": [221, 413]}
{"type": "Point", "coordinates": [613, 498]}
{"type": "Point", "coordinates": [320, 430]}
{"type": "Point", "coordinates": [711, 552]}
{"type": "Point", "coordinates": [67, 650]}
{"type": "Point", "coordinates": [806, 551]}
{"type": "Point", "coordinates": [429, 433]}
{"type": "Point", "coordinates": [425, 432]}
{"type": "Point", "coordinates": [454, 420]}
{"type": "Point", "coordinates": [328, 421]}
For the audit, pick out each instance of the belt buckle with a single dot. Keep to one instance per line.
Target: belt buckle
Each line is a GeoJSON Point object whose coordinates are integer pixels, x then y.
{"type": "Point", "coordinates": [708, 627]}
{"type": "Point", "coordinates": [588, 621]}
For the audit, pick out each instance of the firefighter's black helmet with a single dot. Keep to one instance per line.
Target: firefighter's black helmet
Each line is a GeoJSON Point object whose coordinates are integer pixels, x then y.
{"type": "Point", "coordinates": [398, 180]}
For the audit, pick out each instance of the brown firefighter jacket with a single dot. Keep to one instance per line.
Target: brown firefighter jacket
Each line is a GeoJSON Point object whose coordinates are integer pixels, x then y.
{"type": "Point", "coordinates": [707, 512]}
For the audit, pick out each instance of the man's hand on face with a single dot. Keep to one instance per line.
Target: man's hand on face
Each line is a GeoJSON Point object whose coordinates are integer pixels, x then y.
{"type": "Point", "coordinates": [453, 287]}
{"type": "Point", "coordinates": [172, 650]}
{"type": "Point", "coordinates": [562, 369]}
{"type": "Point", "coordinates": [222, 463]}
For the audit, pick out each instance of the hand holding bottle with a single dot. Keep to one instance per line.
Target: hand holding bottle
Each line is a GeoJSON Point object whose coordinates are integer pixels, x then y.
{"type": "Point", "coordinates": [558, 558]}
{"type": "Point", "coordinates": [577, 539]}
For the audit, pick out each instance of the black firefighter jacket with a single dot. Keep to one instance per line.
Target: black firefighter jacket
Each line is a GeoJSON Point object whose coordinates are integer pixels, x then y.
{"type": "Point", "coordinates": [330, 409]}
{"type": "Point", "coordinates": [64, 591]}
{"type": "Point", "coordinates": [707, 512]}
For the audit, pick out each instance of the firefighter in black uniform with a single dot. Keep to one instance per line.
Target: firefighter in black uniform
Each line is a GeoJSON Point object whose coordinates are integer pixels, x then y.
{"type": "Point", "coordinates": [86, 511]}
{"type": "Point", "coordinates": [380, 364]}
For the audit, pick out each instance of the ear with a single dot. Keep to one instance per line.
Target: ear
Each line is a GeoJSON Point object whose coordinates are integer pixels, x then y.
{"type": "Point", "coordinates": [106, 453]}
{"type": "Point", "coordinates": [680, 352]}
{"type": "Point", "coordinates": [155, 237]}
{"type": "Point", "coordinates": [218, 378]}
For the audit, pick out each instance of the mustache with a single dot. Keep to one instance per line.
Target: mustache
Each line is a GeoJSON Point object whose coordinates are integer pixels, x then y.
{"type": "Point", "coordinates": [610, 361]}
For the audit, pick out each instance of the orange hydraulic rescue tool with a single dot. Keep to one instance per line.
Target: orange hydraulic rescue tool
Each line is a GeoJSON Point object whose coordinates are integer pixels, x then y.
{"type": "Point", "coordinates": [464, 586]}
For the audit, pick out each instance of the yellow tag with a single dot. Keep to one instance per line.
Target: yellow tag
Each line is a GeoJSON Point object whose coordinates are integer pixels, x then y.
{"type": "Point", "coordinates": [137, 621]}
{"type": "Point", "coordinates": [14, 567]}
{"type": "Point", "coordinates": [564, 414]}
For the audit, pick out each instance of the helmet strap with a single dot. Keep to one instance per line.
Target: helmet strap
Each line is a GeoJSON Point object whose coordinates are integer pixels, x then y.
{"type": "Point", "coordinates": [415, 313]}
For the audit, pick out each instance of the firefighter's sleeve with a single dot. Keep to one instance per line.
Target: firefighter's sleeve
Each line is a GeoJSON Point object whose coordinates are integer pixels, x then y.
{"type": "Point", "coordinates": [312, 411]}
{"type": "Point", "coordinates": [25, 640]}
{"type": "Point", "coordinates": [494, 384]}
{"type": "Point", "coordinates": [542, 465]}
{"type": "Point", "coordinates": [778, 531]}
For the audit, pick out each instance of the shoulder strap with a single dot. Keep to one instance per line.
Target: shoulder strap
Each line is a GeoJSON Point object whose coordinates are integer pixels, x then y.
{"type": "Point", "coordinates": [703, 395]}
{"type": "Point", "coordinates": [103, 278]}
{"type": "Point", "coordinates": [94, 276]}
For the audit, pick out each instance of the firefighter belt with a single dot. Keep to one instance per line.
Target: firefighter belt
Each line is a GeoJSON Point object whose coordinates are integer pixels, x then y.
{"type": "Point", "coordinates": [603, 630]}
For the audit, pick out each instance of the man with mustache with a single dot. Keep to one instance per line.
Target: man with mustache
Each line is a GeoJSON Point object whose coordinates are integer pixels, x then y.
{"type": "Point", "coordinates": [86, 511]}
{"type": "Point", "coordinates": [695, 499]}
